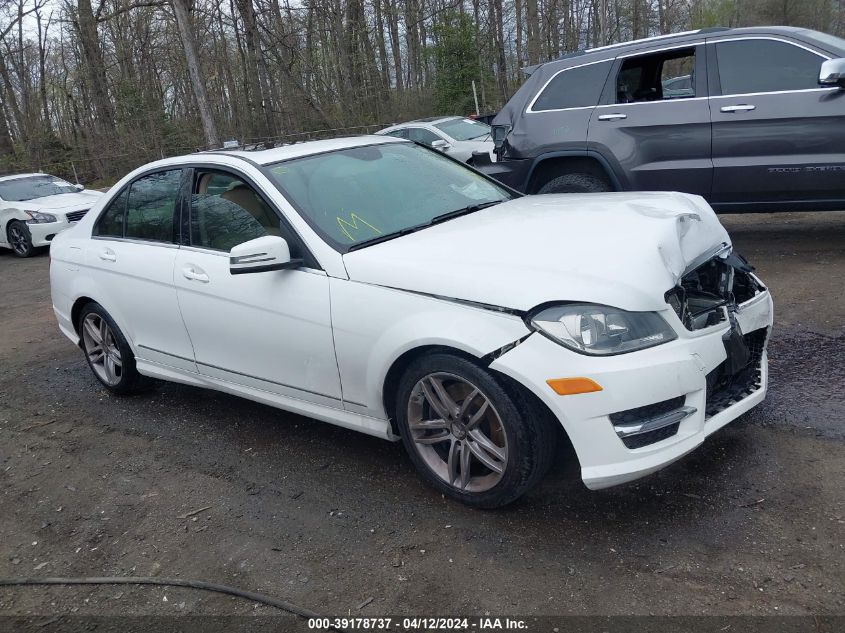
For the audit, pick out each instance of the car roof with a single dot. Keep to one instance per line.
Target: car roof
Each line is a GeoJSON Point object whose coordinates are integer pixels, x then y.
{"type": "Point", "coordinates": [16, 176]}
{"type": "Point", "coordinates": [612, 50]}
{"type": "Point", "coordinates": [300, 150]}
{"type": "Point", "coordinates": [435, 119]}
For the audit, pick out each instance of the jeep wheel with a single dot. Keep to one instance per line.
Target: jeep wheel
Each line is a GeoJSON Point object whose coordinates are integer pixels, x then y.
{"type": "Point", "coordinates": [575, 183]}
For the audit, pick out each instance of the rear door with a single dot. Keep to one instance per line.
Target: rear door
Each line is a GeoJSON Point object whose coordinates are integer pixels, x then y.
{"type": "Point", "coordinates": [654, 123]}
{"type": "Point", "coordinates": [777, 136]}
{"type": "Point", "coordinates": [132, 251]}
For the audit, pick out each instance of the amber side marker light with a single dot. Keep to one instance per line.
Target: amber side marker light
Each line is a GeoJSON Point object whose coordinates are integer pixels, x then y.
{"type": "Point", "coordinates": [571, 386]}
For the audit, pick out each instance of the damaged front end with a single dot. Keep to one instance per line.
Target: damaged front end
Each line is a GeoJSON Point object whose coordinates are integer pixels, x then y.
{"type": "Point", "coordinates": [715, 292]}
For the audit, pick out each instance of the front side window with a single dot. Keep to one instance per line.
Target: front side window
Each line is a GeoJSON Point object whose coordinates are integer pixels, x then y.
{"type": "Point", "coordinates": [421, 135]}
{"type": "Point", "coordinates": [657, 77]}
{"type": "Point", "coordinates": [151, 206]}
{"type": "Point", "coordinates": [226, 211]}
{"type": "Point", "coordinates": [32, 187]}
{"type": "Point", "coordinates": [574, 88]}
{"type": "Point", "coordinates": [758, 65]}
{"type": "Point", "coordinates": [464, 129]}
{"type": "Point", "coordinates": [355, 195]}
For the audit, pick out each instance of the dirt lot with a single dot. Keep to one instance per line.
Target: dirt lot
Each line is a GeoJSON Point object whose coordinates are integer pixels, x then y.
{"type": "Point", "coordinates": [92, 485]}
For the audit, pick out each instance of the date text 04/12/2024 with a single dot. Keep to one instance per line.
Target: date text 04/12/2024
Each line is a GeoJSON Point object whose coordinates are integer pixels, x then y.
{"type": "Point", "coordinates": [483, 623]}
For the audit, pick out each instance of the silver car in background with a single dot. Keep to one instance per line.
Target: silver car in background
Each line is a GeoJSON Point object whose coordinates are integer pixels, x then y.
{"type": "Point", "coordinates": [456, 136]}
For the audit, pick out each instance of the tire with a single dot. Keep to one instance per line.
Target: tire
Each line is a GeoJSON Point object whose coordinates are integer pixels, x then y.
{"type": "Point", "coordinates": [19, 239]}
{"type": "Point", "coordinates": [575, 183]}
{"type": "Point", "coordinates": [115, 369]}
{"type": "Point", "coordinates": [492, 413]}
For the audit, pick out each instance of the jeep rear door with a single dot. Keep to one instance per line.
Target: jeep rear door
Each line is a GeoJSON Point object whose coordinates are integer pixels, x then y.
{"type": "Point", "coordinates": [778, 138]}
{"type": "Point", "coordinates": [653, 124]}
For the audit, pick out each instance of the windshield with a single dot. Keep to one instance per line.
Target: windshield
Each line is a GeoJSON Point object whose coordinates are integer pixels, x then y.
{"type": "Point", "coordinates": [360, 194]}
{"type": "Point", "coordinates": [464, 129]}
{"type": "Point", "coordinates": [32, 187]}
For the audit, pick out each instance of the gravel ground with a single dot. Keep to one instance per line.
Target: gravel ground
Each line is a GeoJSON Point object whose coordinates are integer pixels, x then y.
{"type": "Point", "coordinates": [337, 522]}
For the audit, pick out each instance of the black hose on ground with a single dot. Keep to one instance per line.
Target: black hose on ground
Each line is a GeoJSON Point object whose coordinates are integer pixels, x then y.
{"type": "Point", "coordinates": [164, 582]}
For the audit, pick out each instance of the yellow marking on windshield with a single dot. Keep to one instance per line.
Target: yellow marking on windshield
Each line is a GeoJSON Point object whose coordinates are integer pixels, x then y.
{"type": "Point", "coordinates": [352, 223]}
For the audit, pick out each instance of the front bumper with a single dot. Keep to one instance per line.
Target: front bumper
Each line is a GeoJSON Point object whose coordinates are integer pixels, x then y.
{"type": "Point", "coordinates": [43, 233]}
{"type": "Point", "coordinates": [510, 171]}
{"type": "Point", "coordinates": [674, 371]}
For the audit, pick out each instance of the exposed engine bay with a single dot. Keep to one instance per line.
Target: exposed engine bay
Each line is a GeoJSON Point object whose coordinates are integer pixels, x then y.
{"type": "Point", "coordinates": [706, 295]}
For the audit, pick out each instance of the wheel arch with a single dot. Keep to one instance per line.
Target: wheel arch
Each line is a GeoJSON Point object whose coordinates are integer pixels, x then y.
{"type": "Point", "coordinates": [509, 384]}
{"type": "Point", "coordinates": [76, 311]}
{"type": "Point", "coordinates": [401, 363]}
{"type": "Point", "coordinates": [549, 166]}
{"type": "Point", "coordinates": [7, 216]}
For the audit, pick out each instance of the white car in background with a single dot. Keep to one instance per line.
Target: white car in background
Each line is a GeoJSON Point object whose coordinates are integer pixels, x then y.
{"type": "Point", "coordinates": [34, 208]}
{"type": "Point", "coordinates": [376, 284]}
{"type": "Point", "coordinates": [456, 136]}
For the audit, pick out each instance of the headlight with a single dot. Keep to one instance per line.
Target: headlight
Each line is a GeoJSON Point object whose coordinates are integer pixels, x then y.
{"type": "Point", "coordinates": [601, 330]}
{"type": "Point", "coordinates": [39, 218]}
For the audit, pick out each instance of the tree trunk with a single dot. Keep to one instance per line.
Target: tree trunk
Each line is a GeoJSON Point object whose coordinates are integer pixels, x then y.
{"type": "Point", "coordinates": [95, 66]}
{"type": "Point", "coordinates": [532, 23]}
{"type": "Point", "coordinates": [183, 21]}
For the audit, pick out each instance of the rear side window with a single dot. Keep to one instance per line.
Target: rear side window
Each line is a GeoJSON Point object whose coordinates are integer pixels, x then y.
{"type": "Point", "coordinates": [421, 135]}
{"type": "Point", "coordinates": [151, 206]}
{"type": "Point", "coordinates": [403, 133]}
{"type": "Point", "coordinates": [657, 77]}
{"type": "Point", "coordinates": [110, 223]}
{"type": "Point", "coordinates": [757, 65]}
{"type": "Point", "coordinates": [574, 88]}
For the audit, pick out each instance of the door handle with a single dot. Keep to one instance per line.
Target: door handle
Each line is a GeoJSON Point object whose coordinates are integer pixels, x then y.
{"type": "Point", "coordinates": [738, 108]}
{"type": "Point", "coordinates": [195, 275]}
{"type": "Point", "coordinates": [107, 255]}
{"type": "Point", "coordinates": [612, 117]}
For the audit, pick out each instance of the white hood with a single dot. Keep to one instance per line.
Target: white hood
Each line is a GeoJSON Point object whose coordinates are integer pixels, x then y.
{"type": "Point", "coordinates": [619, 249]}
{"type": "Point", "coordinates": [62, 202]}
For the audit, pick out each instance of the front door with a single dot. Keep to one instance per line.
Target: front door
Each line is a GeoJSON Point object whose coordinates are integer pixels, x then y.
{"type": "Point", "coordinates": [777, 136]}
{"type": "Point", "coordinates": [269, 331]}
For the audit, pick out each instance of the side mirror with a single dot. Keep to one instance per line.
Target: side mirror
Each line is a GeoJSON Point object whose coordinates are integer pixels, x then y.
{"type": "Point", "coordinates": [79, 187]}
{"type": "Point", "coordinates": [832, 73]}
{"type": "Point", "coordinates": [440, 145]}
{"type": "Point", "coordinates": [261, 255]}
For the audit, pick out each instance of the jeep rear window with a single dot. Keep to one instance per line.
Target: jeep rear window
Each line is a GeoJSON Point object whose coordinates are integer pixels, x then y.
{"type": "Point", "coordinates": [573, 88]}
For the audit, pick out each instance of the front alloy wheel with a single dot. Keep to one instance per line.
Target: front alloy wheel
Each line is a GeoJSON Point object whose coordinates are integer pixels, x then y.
{"type": "Point", "coordinates": [457, 432]}
{"type": "Point", "coordinates": [20, 239]}
{"type": "Point", "coordinates": [472, 434]}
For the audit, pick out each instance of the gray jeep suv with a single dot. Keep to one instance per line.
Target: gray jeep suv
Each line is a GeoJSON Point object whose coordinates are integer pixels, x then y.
{"type": "Point", "coordinates": [753, 119]}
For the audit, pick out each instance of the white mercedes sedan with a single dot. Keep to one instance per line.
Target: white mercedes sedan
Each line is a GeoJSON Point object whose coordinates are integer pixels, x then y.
{"type": "Point", "coordinates": [381, 286]}
{"type": "Point", "coordinates": [34, 208]}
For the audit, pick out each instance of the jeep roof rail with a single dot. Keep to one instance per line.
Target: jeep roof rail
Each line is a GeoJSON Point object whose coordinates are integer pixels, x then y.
{"type": "Point", "coordinates": [654, 38]}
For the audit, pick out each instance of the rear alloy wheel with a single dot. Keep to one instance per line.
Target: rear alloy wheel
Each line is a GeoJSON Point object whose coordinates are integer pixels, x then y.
{"type": "Point", "coordinates": [19, 238]}
{"type": "Point", "coordinates": [467, 435]}
{"type": "Point", "coordinates": [107, 352]}
{"type": "Point", "coordinates": [575, 183]}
